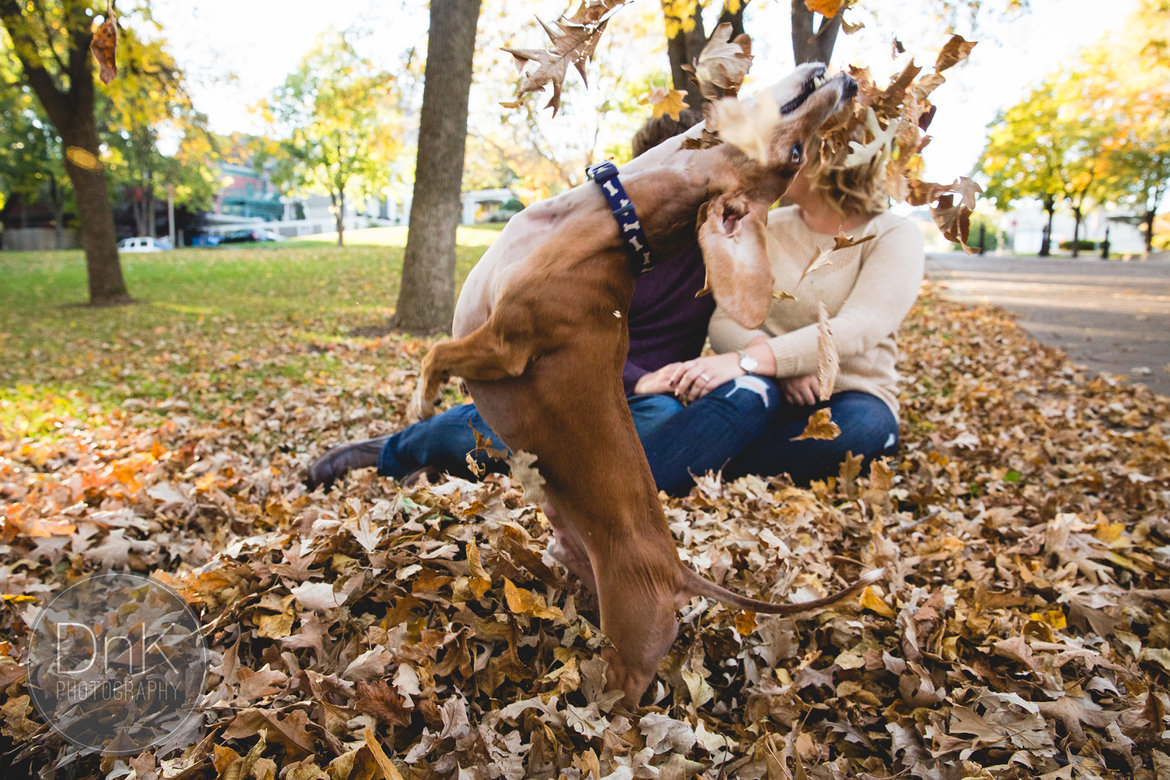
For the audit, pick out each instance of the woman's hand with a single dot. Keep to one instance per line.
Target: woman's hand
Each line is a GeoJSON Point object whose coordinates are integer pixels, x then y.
{"type": "Point", "coordinates": [695, 378]}
{"type": "Point", "coordinates": [801, 390]}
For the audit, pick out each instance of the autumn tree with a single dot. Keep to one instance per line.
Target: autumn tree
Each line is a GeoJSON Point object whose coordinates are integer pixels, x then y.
{"type": "Point", "coordinates": [426, 298]}
{"type": "Point", "coordinates": [147, 101]}
{"type": "Point", "coordinates": [1138, 157]}
{"type": "Point", "coordinates": [1095, 132]}
{"type": "Point", "coordinates": [1024, 156]}
{"type": "Point", "coordinates": [51, 40]}
{"type": "Point", "coordinates": [31, 158]}
{"type": "Point", "coordinates": [335, 116]}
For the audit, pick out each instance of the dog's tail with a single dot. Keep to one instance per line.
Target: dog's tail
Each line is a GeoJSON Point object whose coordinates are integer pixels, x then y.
{"type": "Point", "coordinates": [700, 586]}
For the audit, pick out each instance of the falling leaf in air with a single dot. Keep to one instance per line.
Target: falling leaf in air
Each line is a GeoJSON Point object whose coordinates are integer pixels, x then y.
{"type": "Point", "coordinates": [665, 102]}
{"type": "Point", "coordinates": [723, 64]}
{"type": "Point", "coordinates": [842, 241]}
{"type": "Point", "coordinates": [523, 471]}
{"type": "Point", "coordinates": [574, 40]}
{"type": "Point", "coordinates": [828, 361]}
{"type": "Point", "coordinates": [820, 426]}
{"type": "Point", "coordinates": [83, 159]}
{"type": "Point", "coordinates": [828, 8]}
{"type": "Point", "coordinates": [956, 50]}
{"type": "Point", "coordinates": [104, 46]}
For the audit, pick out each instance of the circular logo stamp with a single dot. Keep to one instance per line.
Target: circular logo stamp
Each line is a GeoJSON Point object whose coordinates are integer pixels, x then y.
{"type": "Point", "coordinates": [117, 664]}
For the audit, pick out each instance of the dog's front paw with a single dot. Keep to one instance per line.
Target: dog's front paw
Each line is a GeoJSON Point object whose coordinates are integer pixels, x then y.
{"type": "Point", "coordinates": [419, 407]}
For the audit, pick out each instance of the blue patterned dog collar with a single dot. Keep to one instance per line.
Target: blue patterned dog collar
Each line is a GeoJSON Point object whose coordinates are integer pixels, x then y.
{"type": "Point", "coordinates": [605, 173]}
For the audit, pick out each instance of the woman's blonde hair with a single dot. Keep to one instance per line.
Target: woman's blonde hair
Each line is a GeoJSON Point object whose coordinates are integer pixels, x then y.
{"type": "Point", "coordinates": [859, 189]}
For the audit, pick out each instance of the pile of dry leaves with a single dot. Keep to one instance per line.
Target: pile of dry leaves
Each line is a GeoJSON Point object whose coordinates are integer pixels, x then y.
{"type": "Point", "coordinates": [385, 632]}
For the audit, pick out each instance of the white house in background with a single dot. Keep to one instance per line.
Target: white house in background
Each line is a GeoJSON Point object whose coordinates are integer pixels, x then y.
{"type": "Point", "coordinates": [1025, 228]}
{"type": "Point", "coordinates": [486, 205]}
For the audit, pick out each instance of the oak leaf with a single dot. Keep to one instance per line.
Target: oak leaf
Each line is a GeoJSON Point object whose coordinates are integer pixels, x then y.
{"type": "Point", "coordinates": [820, 426]}
{"type": "Point", "coordinates": [828, 361]}
{"type": "Point", "coordinates": [104, 45]}
{"type": "Point", "coordinates": [956, 50]}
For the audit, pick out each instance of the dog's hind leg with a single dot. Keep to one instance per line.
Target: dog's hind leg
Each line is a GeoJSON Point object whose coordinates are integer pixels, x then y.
{"type": "Point", "coordinates": [482, 355]}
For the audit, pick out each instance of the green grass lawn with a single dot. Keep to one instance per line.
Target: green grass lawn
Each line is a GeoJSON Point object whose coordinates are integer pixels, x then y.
{"type": "Point", "coordinates": [212, 324]}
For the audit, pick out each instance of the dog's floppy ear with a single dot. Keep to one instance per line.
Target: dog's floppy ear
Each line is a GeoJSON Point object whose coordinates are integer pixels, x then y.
{"type": "Point", "coordinates": [733, 237]}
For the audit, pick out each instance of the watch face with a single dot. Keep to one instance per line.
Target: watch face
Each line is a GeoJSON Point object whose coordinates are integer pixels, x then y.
{"type": "Point", "coordinates": [747, 362]}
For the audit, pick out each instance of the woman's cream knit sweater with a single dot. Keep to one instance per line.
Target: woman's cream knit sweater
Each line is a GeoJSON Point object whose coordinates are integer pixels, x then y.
{"type": "Point", "coordinates": [867, 289]}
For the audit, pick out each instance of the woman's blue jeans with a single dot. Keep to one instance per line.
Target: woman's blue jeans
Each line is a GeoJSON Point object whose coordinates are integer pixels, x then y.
{"type": "Point", "coordinates": [742, 427]}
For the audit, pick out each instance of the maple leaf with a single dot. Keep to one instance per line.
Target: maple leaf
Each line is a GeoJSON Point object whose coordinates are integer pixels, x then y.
{"type": "Point", "coordinates": [665, 102]}
{"type": "Point", "coordinates": [723, 64]}
{"type": "Point", "coordinates": [574, 40]}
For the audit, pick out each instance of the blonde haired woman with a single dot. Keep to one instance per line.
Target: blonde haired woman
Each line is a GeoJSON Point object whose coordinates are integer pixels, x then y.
{"type": "Point", "coordinates": [866, 289]}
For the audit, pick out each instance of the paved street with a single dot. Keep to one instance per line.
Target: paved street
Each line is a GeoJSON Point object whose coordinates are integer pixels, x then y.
{"type": "Point", "coordinates": [1112, 317]}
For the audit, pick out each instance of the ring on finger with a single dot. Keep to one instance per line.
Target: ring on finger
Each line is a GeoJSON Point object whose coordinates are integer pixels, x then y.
{"type": "Point", "coordinates": [705, 377]}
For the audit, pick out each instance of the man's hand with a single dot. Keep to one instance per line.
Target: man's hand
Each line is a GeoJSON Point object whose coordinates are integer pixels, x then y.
{"type": "Point", "coordinates": [656, 381]}
{"type": "Point", "coordinates": [801, 390]}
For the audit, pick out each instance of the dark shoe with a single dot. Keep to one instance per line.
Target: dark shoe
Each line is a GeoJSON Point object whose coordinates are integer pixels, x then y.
{"type": "Point", "coordinates": [335, 463]}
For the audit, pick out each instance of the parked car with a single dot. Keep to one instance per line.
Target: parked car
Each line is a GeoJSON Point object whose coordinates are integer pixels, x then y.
{"type": "Point", "coordinates": [205, 239]}
{"type": "Point", "coordinates": [143, 244]}
{"type": "Point", "coordinates": [249, 235]}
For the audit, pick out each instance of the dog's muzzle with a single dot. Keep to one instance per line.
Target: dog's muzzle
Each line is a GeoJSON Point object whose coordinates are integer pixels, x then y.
{"type": "Point", "coordinates": [817, 81]}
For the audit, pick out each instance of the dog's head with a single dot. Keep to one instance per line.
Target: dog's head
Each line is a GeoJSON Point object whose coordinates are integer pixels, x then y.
{"type": "Point", "coordinates": [772, 131]}
{"type": "Point", "coordinates": [773, 127]}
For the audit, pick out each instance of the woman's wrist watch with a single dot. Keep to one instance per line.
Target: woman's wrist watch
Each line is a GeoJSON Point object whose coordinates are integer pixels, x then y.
{"type": "Point", "coordinates": [748, 363]}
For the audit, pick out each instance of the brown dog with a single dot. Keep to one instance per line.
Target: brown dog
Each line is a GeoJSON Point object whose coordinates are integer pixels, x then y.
{"type": "Point", "coordinates": [541, 337]}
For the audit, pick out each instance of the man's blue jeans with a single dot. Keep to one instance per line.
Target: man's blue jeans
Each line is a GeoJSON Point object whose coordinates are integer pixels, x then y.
{"type": "Point", "coordinates": [445, 440]}
{"type": "Point", "coordinates": [742, 427]}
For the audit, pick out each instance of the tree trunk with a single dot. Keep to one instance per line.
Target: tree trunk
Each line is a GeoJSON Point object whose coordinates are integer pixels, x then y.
{"type": "Point", "coordinates": [1151, 215]}
{"type": "Point", "coordinates": [809, 45]}
{"type": "Point", "coordinates": [1046, 241]}
{"type": "Point", "coordinates": [683, 49]}
{"type": "Point", "coordinates": [98, 237]}
{"type": "Point", "coordinates": [426, 300]}
{"type": "Point", "coordinates": [1076, 245]}
{"type": "Point", "coordinates": [71, 110]}
{"type": "Point", "coordinates": [340, 201]}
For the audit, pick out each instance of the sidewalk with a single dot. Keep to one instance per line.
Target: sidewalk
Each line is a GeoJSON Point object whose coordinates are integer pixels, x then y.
{"type": "Point", "coordinates": [1113, 317]}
